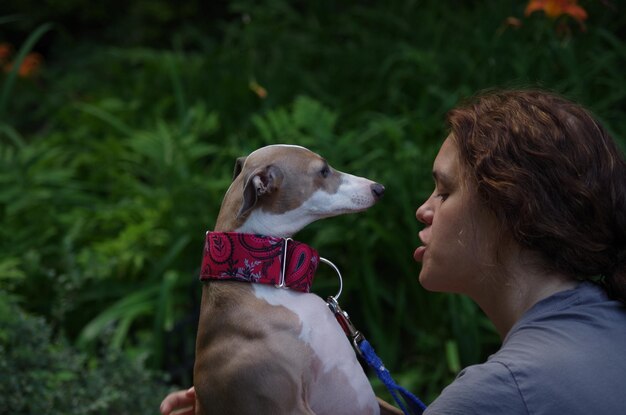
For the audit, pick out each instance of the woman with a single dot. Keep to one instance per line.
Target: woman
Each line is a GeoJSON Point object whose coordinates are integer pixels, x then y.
{"type": "Point", "coordinates": [529, 207]}
{"type": "Point", "coordinates": [528, 218]}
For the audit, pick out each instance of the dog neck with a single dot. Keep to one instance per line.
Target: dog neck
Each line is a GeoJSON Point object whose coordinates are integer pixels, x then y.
{"type": "Point", "coordinates": [259, 259]}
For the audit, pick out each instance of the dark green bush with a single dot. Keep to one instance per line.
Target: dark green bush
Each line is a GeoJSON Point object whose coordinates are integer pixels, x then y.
{"type": "Point", "coordinates": [42, 374]}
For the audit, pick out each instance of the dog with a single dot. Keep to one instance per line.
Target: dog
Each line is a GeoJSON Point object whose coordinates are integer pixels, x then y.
{"type": "Point", "coordinates": [267, 350]}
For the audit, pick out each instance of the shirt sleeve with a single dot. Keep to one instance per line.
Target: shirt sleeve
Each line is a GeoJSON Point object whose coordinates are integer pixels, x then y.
{"type": "Point", "coordinates": [484, 389]}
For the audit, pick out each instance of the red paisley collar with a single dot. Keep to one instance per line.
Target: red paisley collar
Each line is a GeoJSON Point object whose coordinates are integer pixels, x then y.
{"type": "Point", "coordinates": [259, 259]}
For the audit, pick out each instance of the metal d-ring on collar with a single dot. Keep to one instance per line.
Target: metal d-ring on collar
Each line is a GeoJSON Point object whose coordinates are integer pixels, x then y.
{"type": "Point", "coordinates": [281, 281]}
{"type": "Point", "coordinates": [333, 266]}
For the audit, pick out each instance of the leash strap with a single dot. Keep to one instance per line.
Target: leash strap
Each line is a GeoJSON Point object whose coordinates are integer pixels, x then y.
{"type": "Point", "coordinates": [408, 403]}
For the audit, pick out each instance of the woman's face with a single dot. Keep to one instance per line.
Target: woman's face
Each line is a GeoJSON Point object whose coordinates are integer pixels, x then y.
{"type": "Point", "coordinates": [458, 237]}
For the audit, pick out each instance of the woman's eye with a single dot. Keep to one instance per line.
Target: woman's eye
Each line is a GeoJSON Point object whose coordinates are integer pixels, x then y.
{"type": "Point", "coordinates": [325, 172]}
{"type": "Point", "coordinates": [442, 196]}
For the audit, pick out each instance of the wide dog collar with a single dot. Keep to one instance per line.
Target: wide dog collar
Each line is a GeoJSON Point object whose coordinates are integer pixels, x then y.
{"type": "Point", "coordinates": [259, 259]}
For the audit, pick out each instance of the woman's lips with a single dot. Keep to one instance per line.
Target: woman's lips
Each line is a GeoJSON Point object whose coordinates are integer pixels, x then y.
{"type": "Point", "coordinates": [418, 255]}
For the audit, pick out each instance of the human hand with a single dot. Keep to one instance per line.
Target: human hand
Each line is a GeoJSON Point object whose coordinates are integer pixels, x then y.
{"type": "Point", "coordinates": [181, 401]}
{"type": "Point", "coordinates": [387, 409]}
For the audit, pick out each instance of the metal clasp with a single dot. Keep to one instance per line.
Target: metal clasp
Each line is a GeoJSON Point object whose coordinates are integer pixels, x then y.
{"type": "Point", "coordinates": [344, 321]}
{"type": "Point", "coordinates": [341, 316]}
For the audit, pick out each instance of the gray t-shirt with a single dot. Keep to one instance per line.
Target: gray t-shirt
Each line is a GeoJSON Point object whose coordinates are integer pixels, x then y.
{"type": "Point", "coordinates": [565, 356]}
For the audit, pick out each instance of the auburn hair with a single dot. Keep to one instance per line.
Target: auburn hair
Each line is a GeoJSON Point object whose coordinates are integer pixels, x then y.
{"type": "Point", "coordinates": [552, 175]}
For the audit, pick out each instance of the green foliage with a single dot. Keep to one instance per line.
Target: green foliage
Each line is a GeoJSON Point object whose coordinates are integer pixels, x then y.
{"type": "Point", "coordinates": [44, 375]}
{"type": "Point", "coordinates": [114, 161]}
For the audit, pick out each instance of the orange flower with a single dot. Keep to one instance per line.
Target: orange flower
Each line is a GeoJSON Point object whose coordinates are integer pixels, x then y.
{"type": "Point", "coordinates": [6, 50]}
{"type": "Point", "coordinates": [556, 8]}
{"type": "Point", "coordinates": [258, 89]}
{"type": "Point", "coordinates": [29, 67]}
{"type": "Point", "coordinates": [513, 22]}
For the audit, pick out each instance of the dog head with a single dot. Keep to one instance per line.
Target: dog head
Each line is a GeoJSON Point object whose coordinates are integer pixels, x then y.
{"type": "Point", "coordinates": [279, 189]}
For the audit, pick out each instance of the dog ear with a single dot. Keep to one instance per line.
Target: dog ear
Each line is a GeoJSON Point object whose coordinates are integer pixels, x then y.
{"type": "Point", "coordinates": [263, 181]}
{"type": "Point", "coordinates": [238, 166]}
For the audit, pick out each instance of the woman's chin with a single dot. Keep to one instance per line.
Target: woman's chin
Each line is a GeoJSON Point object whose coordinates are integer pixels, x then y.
{"type": "Point", "coordinates": [429, 283]}
{"type": "Point", "coordinates": [424, 280]}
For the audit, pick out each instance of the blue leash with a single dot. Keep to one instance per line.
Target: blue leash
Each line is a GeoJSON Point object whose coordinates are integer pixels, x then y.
{"type": "Point", "coordinates": [408, 403]}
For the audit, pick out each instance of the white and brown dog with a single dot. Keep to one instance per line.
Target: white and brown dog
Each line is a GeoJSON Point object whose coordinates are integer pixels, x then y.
{"type": "Point", "coordinates": [267, 350]}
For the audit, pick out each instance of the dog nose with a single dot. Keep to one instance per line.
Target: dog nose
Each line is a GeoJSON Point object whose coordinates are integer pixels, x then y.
{"type": "Point", "coordinates": [377, 190]}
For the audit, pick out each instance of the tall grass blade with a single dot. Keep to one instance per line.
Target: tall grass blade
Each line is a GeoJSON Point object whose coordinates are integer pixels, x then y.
{"type": "Point", "coordinates": [131, 306]}
{"type": "Point", "coordinates": [179, 94]}
{"type": "Point", "coordinates": [12, 134]}
{"type": "Point", "coordinates": [106, 117]}
{"type": "Point", "coordinates": [11, 18]}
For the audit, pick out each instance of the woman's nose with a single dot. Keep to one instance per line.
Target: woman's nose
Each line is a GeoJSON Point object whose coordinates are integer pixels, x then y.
{"type": "Point", "coordinates": [424, 214]}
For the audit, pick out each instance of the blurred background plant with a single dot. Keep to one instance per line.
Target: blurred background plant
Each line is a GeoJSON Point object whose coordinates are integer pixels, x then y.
{"type": "Point", "coordinates": [120, 123]}
{"type": "Point", "coordinates": [43, 375]}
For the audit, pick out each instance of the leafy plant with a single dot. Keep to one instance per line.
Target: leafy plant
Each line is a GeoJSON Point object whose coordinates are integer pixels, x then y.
{"type": "Point", "coordinates": [44, 375]}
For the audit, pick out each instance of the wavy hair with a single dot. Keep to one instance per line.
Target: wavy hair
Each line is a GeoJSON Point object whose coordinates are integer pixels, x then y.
{"type": "Point", "coordinates": [552, 175]}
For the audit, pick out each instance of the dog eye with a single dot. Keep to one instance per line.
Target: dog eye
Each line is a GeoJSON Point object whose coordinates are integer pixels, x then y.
{"type": "Point", "coordinates": [325, 171]}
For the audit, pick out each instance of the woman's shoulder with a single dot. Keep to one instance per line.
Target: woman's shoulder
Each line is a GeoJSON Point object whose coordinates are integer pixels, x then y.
{"type": "Point", "coordinates": [567, 334]}
{"type": "Point", "coordinates": [568, 349]}
{"type": "Point", "coordinates": [488, 388]}
{"type": "Point", "coordinates": [563, 356]}
{"type": "Point", "coordinates": [584, 314]}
